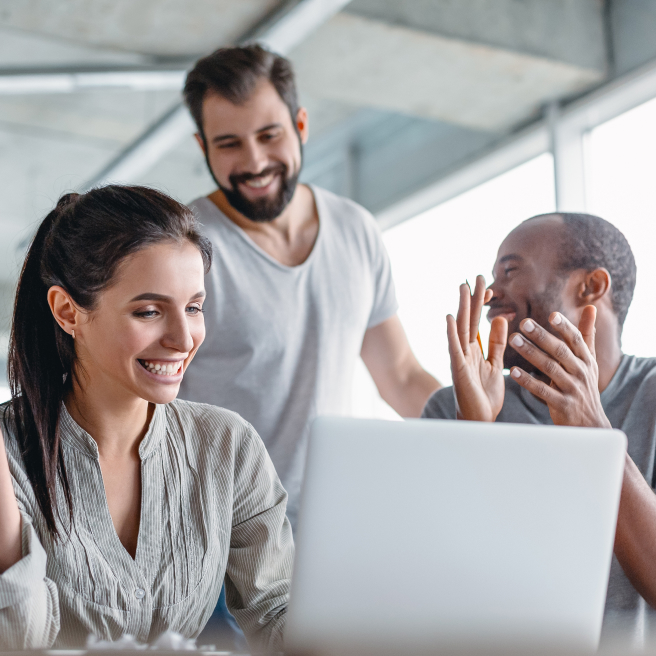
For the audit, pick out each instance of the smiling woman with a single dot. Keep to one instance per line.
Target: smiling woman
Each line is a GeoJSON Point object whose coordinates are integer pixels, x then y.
{"type": "Point", "coordinates": [121, 508]}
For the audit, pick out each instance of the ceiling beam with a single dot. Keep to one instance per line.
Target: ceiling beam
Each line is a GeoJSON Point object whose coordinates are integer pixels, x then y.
{"type": "Point", "coordinates": [281, 32]}
{"type": "Point", "coordinates": [24, 81]}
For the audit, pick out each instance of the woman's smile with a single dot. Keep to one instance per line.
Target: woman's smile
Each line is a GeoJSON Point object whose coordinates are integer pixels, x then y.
{"type": "Point", "coordinates": [164, 371]}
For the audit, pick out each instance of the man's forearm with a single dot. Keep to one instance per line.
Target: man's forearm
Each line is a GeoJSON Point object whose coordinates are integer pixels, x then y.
{"type": "Point", "coordinates": [409, 395]}
{"type": "Point", "coordinates": [635, 539]}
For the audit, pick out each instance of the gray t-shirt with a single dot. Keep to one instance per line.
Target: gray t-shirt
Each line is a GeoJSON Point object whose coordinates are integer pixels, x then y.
{"type": "Point", "coordinates": [629, 402]}
{"type": "Point", "coordinates": [282, 341]}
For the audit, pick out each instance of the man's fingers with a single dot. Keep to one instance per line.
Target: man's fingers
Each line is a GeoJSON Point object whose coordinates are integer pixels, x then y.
{"type": "Point", "coordinates": [477, 302]}
{"type": "Point", "coordinates": [455, 348]}
{"type": "Point", "coordinates": [571, 353]}
{"type": "Point", "coordinates": [462, 320]}
{"type": "Point", "coordinates": [497, 344]}
{"type": "Point", "coordinates": [546, 364]}
{"type": "Point", "coordinates": [587, 327]}
{"type": "Point", "coordinates": [546, 393]}
{"type": "Point", "coordinates": [571, 336]}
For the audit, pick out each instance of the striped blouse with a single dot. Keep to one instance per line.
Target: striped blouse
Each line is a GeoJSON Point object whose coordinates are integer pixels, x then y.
{"type": "Point", "coordinates": [212, 507]}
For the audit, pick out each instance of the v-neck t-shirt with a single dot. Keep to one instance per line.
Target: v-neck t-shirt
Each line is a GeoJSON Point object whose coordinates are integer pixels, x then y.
{"type": "Point", "coordinates": [212, 508]}
{"type": "Point", "coordinates": [629, 402]}
{"type": "Point", "coordinates": [282, 341]}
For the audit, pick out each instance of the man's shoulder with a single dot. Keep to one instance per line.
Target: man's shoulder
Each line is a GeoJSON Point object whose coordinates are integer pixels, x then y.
{"type": "Point", "coordinates": [640, 365]}
{"type": "Point", "coordinates": [204, 209]}
{"type": "Point", "coordinates": [441, 405]}
{"type": "Point", "coordinates": [632, 373]}
{"type": "Point", "coordinates": [342, 210]}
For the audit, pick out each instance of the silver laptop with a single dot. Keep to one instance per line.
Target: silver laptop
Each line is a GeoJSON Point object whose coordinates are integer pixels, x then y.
{"type": "Point", "coordinates": [429, 534]}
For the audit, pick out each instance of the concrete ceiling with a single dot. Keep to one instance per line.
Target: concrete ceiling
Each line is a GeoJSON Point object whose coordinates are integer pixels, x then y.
{"type": "Point", "coordinates": [369, 62]}
{"type": "Point", "coordinates": [158, 28]}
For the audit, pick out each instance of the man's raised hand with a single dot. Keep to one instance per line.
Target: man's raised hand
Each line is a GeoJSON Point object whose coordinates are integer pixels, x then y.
{"type": "Point", "coordinates": [573, 395]}
{"type": "Point", "coordinates": [478, 383]}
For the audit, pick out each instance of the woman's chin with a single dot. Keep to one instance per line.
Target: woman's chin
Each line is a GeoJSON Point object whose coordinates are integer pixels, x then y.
{"type": "Point", "coordinates": [160, 396]}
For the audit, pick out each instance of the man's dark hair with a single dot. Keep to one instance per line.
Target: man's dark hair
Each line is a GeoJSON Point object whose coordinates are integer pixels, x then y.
{"type": "Point", "coordinates": [233, 73]}
{"type": "Point", "coordinates": [591, 243]}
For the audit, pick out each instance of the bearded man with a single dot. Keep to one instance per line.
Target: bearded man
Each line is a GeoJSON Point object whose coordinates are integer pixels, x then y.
{"type": "Point", "coordinates": [300, 284]}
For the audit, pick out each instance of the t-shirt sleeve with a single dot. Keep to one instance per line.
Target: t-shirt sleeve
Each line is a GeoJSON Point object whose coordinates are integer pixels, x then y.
{"type": "Point", "coordinates": [384, 304]}
{"type": "Point", "coordinates": [259, 566]}
{"type": "Point", "coordinates": [441, 405]}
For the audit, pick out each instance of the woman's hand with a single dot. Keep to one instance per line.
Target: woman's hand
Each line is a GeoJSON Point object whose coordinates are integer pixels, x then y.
{"type": "Point", "coordinates": [10, 520]}
{"type": "Point", "coordinates": [478, 383]}
{"type": "Point", "coordinates": [573, 396]}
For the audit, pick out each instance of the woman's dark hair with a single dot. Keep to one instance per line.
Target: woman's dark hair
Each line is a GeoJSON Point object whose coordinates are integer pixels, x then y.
{"type": "Point", "coordinates": [78, 246]}
{"type": "Point", "coordinates": [233, 73]}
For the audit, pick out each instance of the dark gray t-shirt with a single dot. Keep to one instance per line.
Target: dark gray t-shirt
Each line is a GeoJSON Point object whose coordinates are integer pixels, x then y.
{"type": "Point", "coordinates": [630, 405]}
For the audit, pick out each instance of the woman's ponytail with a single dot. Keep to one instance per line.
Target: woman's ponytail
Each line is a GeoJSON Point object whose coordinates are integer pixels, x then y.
{"type": "Point", "coordinates": [39, 367]}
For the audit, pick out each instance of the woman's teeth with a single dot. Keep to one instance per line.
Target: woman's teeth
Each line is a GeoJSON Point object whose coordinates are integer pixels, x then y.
{"type": "Point", "coordinates": [258, 183]}
{"type": "Point", "coordinates": [162, 369]}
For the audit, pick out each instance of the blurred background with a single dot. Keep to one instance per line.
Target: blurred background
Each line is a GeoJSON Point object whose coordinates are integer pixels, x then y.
{"type": "Point", "coordinates": [450, 120]}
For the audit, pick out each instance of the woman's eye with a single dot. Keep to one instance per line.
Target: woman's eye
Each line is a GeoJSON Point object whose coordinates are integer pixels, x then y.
{"type": "Point", "coordinates": [194, 309]}
{"type": "Point", "coordinates": [146, 314]}
{"type": "Point", "coordinates": [507, 271]}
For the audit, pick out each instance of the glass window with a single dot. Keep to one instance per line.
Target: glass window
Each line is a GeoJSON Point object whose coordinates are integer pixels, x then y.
{"type": "Point", "coordinates": [621, 188]}
{"type": "Point", "coordinates": [436, 251]}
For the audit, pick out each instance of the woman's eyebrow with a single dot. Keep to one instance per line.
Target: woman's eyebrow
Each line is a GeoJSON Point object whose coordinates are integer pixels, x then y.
{"type": "Point", "coordinates": [151, 296]}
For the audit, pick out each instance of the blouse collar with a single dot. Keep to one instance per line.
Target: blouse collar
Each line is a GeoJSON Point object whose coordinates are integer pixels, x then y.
{"type": "Point", "coordinates": [74, 435]}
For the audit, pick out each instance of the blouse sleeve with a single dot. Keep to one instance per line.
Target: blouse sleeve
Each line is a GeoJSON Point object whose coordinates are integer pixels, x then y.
{"type": "Point", "coordinates": [29, 604]}
{"type": "Point", "coordinates": [259, 566]}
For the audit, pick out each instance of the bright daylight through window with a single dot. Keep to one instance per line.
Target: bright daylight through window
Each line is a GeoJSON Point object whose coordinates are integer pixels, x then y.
{"type": "Point", "coordinates": [433, 253]}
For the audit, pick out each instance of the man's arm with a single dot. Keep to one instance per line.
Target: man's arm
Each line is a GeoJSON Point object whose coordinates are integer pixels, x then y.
{"type": "Point", "coordinates": [635, 538]}
{"type": "Point", "coordinates": [573, 399]}
{"type": "Point", "coordinates": [400, 379]}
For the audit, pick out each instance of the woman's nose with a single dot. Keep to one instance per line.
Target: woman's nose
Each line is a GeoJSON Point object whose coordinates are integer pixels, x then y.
{"type": "Point", "coordinates": [179, 336]}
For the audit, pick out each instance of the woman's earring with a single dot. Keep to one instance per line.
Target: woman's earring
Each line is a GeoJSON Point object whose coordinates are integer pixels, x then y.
{"type": "Point", "coordinates": [73, 334]}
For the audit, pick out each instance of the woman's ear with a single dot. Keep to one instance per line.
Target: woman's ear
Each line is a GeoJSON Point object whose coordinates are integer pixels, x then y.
{"type": "Point", "coordinates": [66, 313]}
{"type": "Point", "coordinates": [596, 285]}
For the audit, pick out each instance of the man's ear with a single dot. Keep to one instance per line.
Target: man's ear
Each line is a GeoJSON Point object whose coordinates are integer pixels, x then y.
{"type": "Point", "coordinates": [201, 142]}
{"type": "Point", "coordinates": [596, 285]}
{"type": "Point", "coordinates": [302, 124]}
{"type": "Point", "coordinates": [63, 308]}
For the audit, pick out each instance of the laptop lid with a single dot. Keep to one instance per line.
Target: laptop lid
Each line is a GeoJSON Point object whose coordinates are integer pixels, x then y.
{"type": "Point", "coordinates": [427, 533]}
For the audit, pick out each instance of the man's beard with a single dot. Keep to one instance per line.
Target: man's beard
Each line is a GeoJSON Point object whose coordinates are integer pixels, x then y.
{"type": "Point", "coordinates": [538, 309]}
{"type": "Point", "coordinates": [265, 209]}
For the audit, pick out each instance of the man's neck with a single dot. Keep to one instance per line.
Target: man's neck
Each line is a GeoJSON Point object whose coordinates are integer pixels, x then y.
{"type": "Point", "coordinates": [290, 237]}
{"type": "Point", "coordinates": [609, 355]}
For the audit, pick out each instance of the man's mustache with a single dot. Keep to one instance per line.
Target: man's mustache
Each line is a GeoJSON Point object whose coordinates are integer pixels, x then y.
{"type": "Point", "coordinates": [236, 178]}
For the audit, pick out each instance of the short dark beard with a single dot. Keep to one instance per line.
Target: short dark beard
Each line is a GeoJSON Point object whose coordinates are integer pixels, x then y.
{"type": "Point", "coordinates": [538, 309]}
{"type": "Point", "coordinates": [262, 210]}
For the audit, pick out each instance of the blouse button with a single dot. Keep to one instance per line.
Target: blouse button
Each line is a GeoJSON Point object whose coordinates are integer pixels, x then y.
{"type": "Point", "coordinates": [139, 593]}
